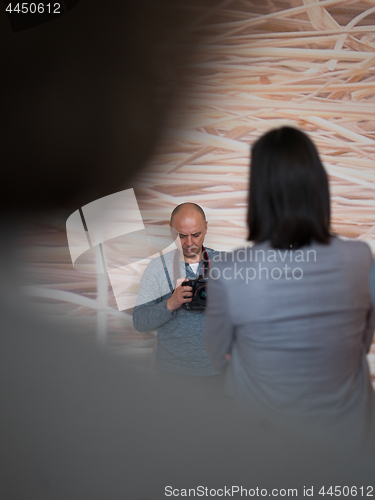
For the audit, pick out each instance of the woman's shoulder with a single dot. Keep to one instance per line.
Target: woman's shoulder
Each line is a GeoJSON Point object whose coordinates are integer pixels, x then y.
{"type": "Point", "coordinates": [338, 248]}
{"type": "Point", "coordinates": [350, 255]}
{"type": "Point", "coordinates": [351, 247]}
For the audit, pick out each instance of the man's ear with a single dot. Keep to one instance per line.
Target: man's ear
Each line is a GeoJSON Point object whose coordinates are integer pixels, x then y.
{"type": "Point", "coordinates": [206, 228]}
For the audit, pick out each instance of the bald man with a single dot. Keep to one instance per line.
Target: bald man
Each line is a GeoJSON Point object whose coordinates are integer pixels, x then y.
{"type": "Point", "coordinates": [161, 296]}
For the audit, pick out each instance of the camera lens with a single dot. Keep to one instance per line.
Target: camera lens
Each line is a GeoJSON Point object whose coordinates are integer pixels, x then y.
{"type": "Point", "coordinates": [201, 295]}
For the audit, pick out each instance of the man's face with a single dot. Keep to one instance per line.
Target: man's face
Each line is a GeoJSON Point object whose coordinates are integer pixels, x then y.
{"type": "Point", "coordinates": [191, 228]}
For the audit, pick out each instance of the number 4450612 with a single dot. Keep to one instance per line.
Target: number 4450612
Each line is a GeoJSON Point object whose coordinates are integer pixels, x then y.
{"type": "Point", "coordinates": [346, 491]}
{"type": "Point", "coordinates": [32, 8]}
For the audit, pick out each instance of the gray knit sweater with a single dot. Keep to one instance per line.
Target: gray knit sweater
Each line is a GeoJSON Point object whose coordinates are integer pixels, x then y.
{"type": "Point", "coordinates": [181, 346]}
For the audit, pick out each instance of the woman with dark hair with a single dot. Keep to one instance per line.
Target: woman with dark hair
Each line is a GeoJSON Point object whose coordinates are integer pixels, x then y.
{"type": "Point", "coordinates": [290, 317]}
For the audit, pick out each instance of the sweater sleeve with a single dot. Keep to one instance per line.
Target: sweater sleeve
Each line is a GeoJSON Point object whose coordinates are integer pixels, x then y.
{"type": "Point", "coordinates": [152, 315]}
{"type": "Point", "coordinates": [151, 309]}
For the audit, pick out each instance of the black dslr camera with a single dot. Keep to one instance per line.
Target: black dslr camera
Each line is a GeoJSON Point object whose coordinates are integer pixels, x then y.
{"type": "Point", "coordinates": [198, 300]}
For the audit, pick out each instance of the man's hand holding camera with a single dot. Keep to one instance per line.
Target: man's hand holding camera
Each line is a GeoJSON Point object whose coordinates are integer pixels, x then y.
{"type": "Point", "coordinates": [181, 295]}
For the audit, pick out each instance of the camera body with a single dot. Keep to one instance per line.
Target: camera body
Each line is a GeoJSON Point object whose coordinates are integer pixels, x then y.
{"type": "Point", "coordinates": [198, 301]}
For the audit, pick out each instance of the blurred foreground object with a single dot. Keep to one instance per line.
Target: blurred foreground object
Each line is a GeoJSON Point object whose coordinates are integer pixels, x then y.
{"type": "Point", "coordinates": [85, 97]}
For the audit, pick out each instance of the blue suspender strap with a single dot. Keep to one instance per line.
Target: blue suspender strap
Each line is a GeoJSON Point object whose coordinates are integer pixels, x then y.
{"type": "Point", "coordinates": [166, 272]}
{"type": "Point", "coordinates": [176, 267]}
{"type": "Point", "coordinates": [206, 262]}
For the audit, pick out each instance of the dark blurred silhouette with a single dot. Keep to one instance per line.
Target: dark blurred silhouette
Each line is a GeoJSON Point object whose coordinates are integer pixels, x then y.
{"type": "Point", "coordinates": [84, 98]}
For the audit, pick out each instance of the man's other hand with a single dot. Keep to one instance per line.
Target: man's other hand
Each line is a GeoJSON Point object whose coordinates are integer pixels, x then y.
{"type": "Point", "coordinates": [181, 295]}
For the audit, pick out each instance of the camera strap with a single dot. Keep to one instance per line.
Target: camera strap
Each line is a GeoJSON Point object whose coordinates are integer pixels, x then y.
{"type": "Point", "coordinates": [166, 272]}
{"type": "Point", "coordinates": [176, 265]}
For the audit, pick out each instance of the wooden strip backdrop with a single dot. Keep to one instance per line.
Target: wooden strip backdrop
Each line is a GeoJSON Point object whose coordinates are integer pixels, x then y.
{"type": "Point", "coordinates": [299, 62]}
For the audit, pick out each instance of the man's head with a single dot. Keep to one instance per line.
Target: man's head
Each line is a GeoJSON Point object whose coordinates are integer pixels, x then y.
{"type": "Point", "coordinates": [189, 220]}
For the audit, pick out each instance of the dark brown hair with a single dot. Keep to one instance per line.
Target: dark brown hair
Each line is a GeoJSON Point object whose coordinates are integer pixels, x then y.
{"type": "Point", "coordinates": [289, 201]}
